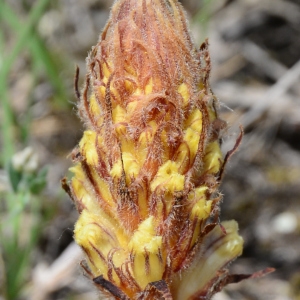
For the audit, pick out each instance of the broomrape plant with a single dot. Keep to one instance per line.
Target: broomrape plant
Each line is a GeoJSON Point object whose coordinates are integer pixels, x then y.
{"type": "Point", "coordinates": [149, 164]}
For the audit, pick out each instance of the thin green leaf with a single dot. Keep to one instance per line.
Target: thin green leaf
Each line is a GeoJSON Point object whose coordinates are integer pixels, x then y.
{"type": "Point", "coordinates": [14, 177]}
{"type": "Point", "coordinates": [39, 52]}
{"type": "Point", "coordinates": [7, 62]}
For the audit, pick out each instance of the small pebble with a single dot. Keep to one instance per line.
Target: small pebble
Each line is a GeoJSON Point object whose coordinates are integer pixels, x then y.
{"type": "Point", "coordinates": [285, 223]}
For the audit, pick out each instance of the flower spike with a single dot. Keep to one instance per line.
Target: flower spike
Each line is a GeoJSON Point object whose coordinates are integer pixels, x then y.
{"type": "Point", "coordinates": [149, 164]}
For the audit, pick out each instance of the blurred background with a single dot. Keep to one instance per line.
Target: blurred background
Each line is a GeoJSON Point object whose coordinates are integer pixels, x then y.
{"type": "Point", "coordinates": [255, 53]}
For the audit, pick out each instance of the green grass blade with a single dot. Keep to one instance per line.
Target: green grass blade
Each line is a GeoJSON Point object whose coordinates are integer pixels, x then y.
{"type": "Point", "coordinates": [39, 52]}
{"type": "Point", "coordinates": [7, 62]}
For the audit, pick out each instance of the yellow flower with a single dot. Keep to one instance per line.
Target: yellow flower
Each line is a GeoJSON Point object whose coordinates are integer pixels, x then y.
{"type": "Point", "coordinates": [148, 165]}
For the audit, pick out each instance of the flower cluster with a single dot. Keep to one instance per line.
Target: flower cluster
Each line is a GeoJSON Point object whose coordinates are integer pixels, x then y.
{"type": "Point", "coordinates": [149, 163]}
